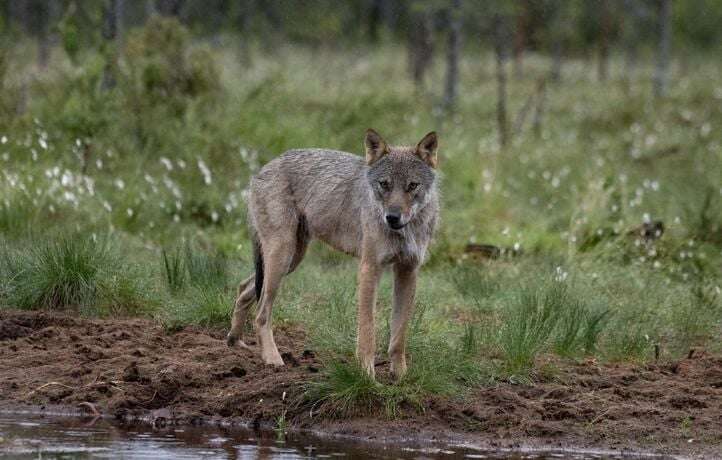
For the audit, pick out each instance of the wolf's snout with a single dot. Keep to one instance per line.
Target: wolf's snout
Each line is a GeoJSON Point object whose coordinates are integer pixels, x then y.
{"type": "Point", "coordinates": [394, 220]}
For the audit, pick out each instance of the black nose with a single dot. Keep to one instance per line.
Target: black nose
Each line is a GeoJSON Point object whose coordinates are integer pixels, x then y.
{"type": "Point", "coordinates": [393, 219]}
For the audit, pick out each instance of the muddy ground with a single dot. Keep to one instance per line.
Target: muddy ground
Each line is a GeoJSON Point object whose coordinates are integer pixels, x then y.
{"type": "Point", "coordinates": [133, 367]}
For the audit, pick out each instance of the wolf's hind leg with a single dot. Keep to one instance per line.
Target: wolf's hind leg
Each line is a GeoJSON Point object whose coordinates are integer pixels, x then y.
{"type": "Point", "coordinates": [244, 301]}
{"type": "Point", "coordinates": [278, 255]}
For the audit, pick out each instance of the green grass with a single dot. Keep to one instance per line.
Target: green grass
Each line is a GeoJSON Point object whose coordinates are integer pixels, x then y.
{"type": "Point", "coordinates": [174, 270]}
{"type": "Point", "coordinates": [162, 183]}
{"type": "Point", "coordinates": [81, 272]}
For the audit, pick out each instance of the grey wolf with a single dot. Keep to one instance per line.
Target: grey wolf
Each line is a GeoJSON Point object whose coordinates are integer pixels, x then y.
{"type": "Point", "coordinates": [382, 209]}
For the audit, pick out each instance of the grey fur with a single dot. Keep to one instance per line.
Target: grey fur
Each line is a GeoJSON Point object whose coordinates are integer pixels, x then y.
{"type": "Point", "coordinates": [336, 197]}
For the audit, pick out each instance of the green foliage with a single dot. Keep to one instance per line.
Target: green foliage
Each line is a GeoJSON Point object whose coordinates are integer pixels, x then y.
{"type": "Point", "coordinates": [174, 270]}
{"type": "Point", "coordinates": [72, 272]}
{"type": "Point", "coordinates": [205, 269]}
{"type": "Point", "coordinates": [579, 329]}
{"type": "Point", "coordinates": [163, 160]}
{"type": "Point", "coordinates": [530, 322]}
{"type": "Point", "coordinates": [163, 70]}
{"type": "Point", "coordinates": [348, 390]}
{"type": "Point", "coordinates": [696, 22]}
{"type": "Point", "coordinates": [207, 307]}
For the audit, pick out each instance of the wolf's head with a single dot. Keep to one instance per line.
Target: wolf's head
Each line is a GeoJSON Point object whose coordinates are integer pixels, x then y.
{"type": "Point", "coordinates": [402, 178]}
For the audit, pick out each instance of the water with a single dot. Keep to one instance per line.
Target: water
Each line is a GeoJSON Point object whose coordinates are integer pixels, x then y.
{"type": "Point", "coordinates": [24, 436]}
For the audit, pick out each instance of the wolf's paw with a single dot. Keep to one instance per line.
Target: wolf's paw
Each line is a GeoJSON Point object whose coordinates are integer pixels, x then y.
{"type": "Point", "coordinates": [234, 342]}
{"type": "Point", "coordinates": [369, 368]}
{"type": "Point", "coordinates": [273, 359]}
{"type": "Point", "coordinates": [398, 370]}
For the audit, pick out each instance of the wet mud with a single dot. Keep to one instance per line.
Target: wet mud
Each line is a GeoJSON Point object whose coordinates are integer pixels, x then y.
{"type": "Point", "coordinates": [134, 368]}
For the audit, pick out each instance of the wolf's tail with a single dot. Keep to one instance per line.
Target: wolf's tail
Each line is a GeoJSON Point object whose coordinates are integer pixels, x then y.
{"type": "Point", "coordinates": [258, 261]}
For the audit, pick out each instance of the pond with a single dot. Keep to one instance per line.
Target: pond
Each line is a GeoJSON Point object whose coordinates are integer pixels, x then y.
{"type": "Point", "coordinates": [33, 436]}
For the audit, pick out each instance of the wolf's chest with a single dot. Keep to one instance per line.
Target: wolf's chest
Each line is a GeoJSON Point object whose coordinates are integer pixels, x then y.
{"type": "Point", "coordinates": [407, 248]}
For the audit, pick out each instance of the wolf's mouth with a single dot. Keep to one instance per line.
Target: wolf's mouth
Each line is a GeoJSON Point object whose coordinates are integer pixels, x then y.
{"type": "Point", "coordinates": [398, 226]}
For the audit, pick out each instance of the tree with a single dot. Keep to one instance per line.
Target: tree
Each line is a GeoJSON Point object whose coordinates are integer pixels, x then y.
{"type": "Point", "coordinates": [169, 7]}
{"type": "Point", "coordinates": [501, 38]}
{"type": "Point", "coordinates": [521, 32]}
{"type": "Point", "coordinates": [663, 39]}
{"type": "Point", "coordinates": [559, 32]}
{"type": "Point", "coordinates": [605, 25]}
{"type": "Point", "coordinates": [451, 88]}
{"type": "Point", "coordinates": [420, 42]}
{"type": "Point", "coordinates": [109, 33]}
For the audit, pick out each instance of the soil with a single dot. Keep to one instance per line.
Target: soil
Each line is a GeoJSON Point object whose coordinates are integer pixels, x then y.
{"type": "Point", "coordinates": [131, 368]}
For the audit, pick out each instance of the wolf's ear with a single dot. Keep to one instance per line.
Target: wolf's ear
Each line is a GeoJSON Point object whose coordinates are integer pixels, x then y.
{"type": "Point", "coordinates": [427, 148]}
{"type": "Point", "coordinates": [375, 147]}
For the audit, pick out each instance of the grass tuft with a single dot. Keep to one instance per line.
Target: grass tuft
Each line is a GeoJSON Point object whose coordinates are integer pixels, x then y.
{"type": "Point", "coordinates": [72, 272]}
{"type": "Point", "coordinates": [174, 270]}
{"type": "Point", "coordinates": [348, 390]}
{"type": "Point", "coordinates": [206, 270]}
{"type": "Point", "coordinates": [529, 325]}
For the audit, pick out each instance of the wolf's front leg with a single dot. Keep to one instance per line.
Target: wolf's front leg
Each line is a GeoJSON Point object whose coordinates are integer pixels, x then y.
{"type": "Point", "coordinates": [404, 290]}
{"type": "Point", "coordinates": [368, 280]}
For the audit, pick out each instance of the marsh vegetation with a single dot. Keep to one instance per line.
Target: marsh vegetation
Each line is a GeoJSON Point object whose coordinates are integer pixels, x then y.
{"type": "Point", "coordinates": [128, 200]}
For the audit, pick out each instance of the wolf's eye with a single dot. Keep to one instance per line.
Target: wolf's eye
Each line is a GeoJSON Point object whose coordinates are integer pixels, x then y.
{"type": "Point", "coordinates": [412, 186]}
{"type": "Point", "coordinates": [385, 185]}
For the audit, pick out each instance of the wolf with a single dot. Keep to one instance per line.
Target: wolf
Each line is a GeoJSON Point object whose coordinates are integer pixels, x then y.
{"type": "Point", "coordinates": [382, 209]}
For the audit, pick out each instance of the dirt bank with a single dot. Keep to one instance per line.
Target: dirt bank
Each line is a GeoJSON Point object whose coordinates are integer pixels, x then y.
{"type": "Point", "coordinates": [132, 367]}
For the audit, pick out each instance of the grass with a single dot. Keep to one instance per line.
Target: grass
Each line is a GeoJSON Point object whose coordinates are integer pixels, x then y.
{"type": "Point", "coordinates": [175, 275]}
{"type": "Point", "coordinates": [161, 182]}
{"type": "Point", "coordinates": [529, 325]}
{"type": "Point", "coordinates": [72, 272]}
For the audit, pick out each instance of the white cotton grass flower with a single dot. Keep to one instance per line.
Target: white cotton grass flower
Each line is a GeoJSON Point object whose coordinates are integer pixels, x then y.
{"type": "Point", "coordinates": [166, 163]}
{"type": "Point", "coordinates": [174, 189]}
{"type": "Point", "coordinates": [119, 184]}
{"type": "Point", "coordinates": [205, 171]}
{"type": "Point", "coordinates": [3, 140]}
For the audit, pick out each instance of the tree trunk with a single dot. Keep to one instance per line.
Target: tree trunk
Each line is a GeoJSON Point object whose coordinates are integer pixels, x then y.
{"type": "Point", "coordinates": [631, 35]}
{"type": "Point", "coordinates": [110, 33]}
{"type": "Point", "coordinates": [604, 30]}
{"type": "Point", "coordinates": [556, 73]}
{"type": "Point", "coordinates": [150, 9]}
{"type": "Point", "coordinates": [539, 109]}
{"type": "Point", "coordinates": [375, 20]}
{"type": "Point", "coordinates": [120, 18]}
{"type": "Point", "coordinates": [37, 14]}
{"type": "Point", "coordinates": [500, 40]}
{"type": "Point", "coordinates": [420, 47]}
{"type": "Point", "coordinates": [520, 33]}
{"type": "Point", "coordinates": [242, 25]}
{"type": "Point", "coordinates": [169, 7]}
{"type": "Point", "coordinates": [452, 55]}
{"type": "Point", "coordinates": [662, 66]}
